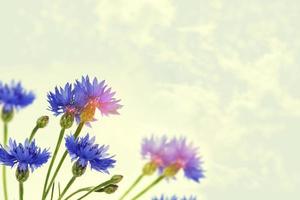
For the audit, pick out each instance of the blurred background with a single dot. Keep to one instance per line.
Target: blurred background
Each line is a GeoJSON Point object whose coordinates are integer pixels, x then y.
{"type": "Point", "coordinates": [225, 74]}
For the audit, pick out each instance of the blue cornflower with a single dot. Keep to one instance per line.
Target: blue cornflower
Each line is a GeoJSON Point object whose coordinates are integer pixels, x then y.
{"type": "Point", "coordinates": [84, 151]}
{"type": "Point", "coordinates": [183, 155]}
{"type": "Point", "coordinates": [90, 95]}
{"type": "Point", "coordinates": [14, 96]}
{"type": "Point", "coordinates": [162, 197]}
{"type": "Point", "coordinates": [23, 155]}
{"type": "Point", "coordinates": [154, 149]}
{"type": "Point", "coordinates": [62, 100]}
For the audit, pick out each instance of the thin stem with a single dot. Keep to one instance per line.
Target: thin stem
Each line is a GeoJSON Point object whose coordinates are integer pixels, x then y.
{"type": "Point", "coordinates": [96, 188]}
{"type": "Point", "coordinates": [76, 134]}
{"type": "Point", "coordinates": [35, 129]}
{"type": "Point", "coordinates": [78, 191]}
{"type": "Point", "coordinates": [58, 143]}
{"type": "Point", "coordinates": [52, 191]}
{"type": "Point", "coordinates": [21, 190]}
{"type": "Point", "coordinates": [67, 187]}
{"type": "Point", "coordinates": [132, 186]}
{"type": "Point", "coordinates": [4, 181]}
{"type": "Point", "coordinates": [155, 182]}
{"type": "Point", "coordinates": [5, 133]}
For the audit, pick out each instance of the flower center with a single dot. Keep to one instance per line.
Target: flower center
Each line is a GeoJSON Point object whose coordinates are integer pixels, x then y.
{"type": "Point", "coordinates": [70, 109]}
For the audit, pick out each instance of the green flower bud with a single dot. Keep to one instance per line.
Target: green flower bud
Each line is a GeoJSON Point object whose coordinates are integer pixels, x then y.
{"type": "Point", "coordinates": [109, 189]}
{"type": "Point", "coordinates": [21, 175]}
{"type": "Point", "coordinates": [7, 116]}
{"type": "Point", "coordinates": [116, 178]}
{"type": "Point", "coordinates": [67, 120]}
{"type": "Point", "coordinates": [149, 168]}
{"type": "Point", "coordinates": [42, 121]}
{"type": "Point", "coordinates": [78, 170]}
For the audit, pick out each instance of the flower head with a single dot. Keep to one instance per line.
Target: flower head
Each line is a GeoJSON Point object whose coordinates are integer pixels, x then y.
{"type": "Point", "coordinates": [162, 197]}
{"type": "Point", "coordinates": [23, 155]}
{"type": "Point", "coordinates": [154, 149]}
{"type": "Point", "coordinates": [62, 100]}
{"type": "Point", "coordinates": [91, 95]}
{"type": "Point", "coordinates": [182, 155]}
{"type": "Point", "coordinates": [84, 151]}
{"type": "Point", "coordinates": [14, 96]}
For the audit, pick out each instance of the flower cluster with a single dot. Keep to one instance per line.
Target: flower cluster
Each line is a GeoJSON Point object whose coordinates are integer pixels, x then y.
{"type": "Point", "coordinates": [14, 96]}
{"type": "Point", "coordinates": [174, 154]}
{"type": "Point", "coordinates": [162, 197]}
{"type": "Point", "coordinates": [80, 101]}
{"type": "Point", "coordinates": [83, 98]}
{"type": "Point", "coordinates": [25, 156]}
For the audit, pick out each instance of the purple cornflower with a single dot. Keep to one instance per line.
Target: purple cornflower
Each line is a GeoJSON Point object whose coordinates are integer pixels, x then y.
{"type": "Point", "coordinates": [162, 197]}
{"type": "Point", "coordinates": [182, 155]}
{"type": "Point", "coordinates": [154, 149]}
{"type": "Point", "coordinates": [62, 100]}
{"type": "Point", "coordinates": [84, 151]}
{"type": "Point", "coordinates": [24, 155]}
{"type": "Point", "coordinates": [91, 95]}
{"type": "Point", "coordinates": [14, 96]}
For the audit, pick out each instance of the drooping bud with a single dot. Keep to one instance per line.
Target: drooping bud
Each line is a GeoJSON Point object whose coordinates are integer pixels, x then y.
{"type": "Point", "coordinates": [22, 175]}
{"type": "Point", "coordinates": [171, 170]}
{"type": "Point", "coordinates": [149, 168]}
{"type": "Point", "coordinates": [67, 120]}
{"type": "Point", "coordinates": [109, 189]}
{"type": "Point", "coordinates": [7, 114]}
{"type": "Point", "coordinates": [116, 178]}
{"type": "Point", "coordinates": [42, 121]}
{"type": "Point", "coordinates": [78, 170]}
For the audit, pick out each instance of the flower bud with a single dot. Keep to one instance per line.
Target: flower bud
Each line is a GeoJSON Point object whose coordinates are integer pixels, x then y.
{"type": "Point", "coordinates": [109, 189]}
{"type": "Point", "coordinates": [171, 170]}
{"type": "Point", "coordinates": [116, 178]}
{"type": "Point", "coordinates": [7, 114]}
{"type": "Point", "coordinates": [78, 170]}
{"type": "Point", "coordinates": [22, 175]}
{"type": "Point", "coordinates": [67, 120]}
{"type": "Point", "coordinates": [42, 121]}
{"type": "Point", "coordinates": [149, 168]}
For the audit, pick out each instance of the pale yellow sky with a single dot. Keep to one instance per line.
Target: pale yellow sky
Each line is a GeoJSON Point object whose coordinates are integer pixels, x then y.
{"type": "Point", "coordinates": [224, 74]}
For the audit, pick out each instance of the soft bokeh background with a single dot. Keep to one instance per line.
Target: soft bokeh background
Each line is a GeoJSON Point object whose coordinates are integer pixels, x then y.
{"type": "Point", "coordinates": [223, 73]}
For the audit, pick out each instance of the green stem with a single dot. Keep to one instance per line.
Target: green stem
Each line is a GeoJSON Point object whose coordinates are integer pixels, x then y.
{"type": "Point", "coordinates": [58, 143]}
{"type": "Point", "coordinates": [78, 191]}
{"type": "Point", "coordinates": [21, 190]}
{"type": "Point", "coordinates": [155, 182]}
{"type": "Point", "coordinates": [52, 192]}
{"type": "Point", "coordinates": [35, 129]}
{"type": "Point", "coordinates": [76, 134]}
{"type": "Point", "coordinates": [5, 133]}
{"type": "Point", "coordinates": [4, 181]}
{"type": "Point", "coordinates": [96, 188]}
{"type": "Point", "coordinates": [132, 186]}
{"type": "Point", "coordinates": [67, 187]}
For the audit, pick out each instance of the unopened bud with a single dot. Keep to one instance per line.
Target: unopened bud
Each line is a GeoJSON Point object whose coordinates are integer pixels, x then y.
{"type": "Point", "coordinates": [116, 178]}
{"type": "Point", "coordinates": [108, 189]}
{"type": "Point", "coordinates": [78, 170]}
{"type": "Point", "coordinates": [22, 175]}
{"type": "Point", "coordinates": [67, 120]}
{"type": "Point", "coordinates": [7, 114]}
{"type": "Point", "coordinates": [149, 168]}
{"type": "Point", "coordinates": [42, 121]}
